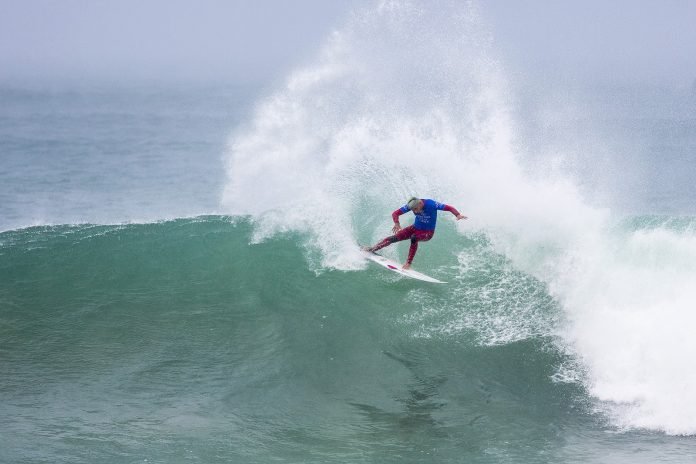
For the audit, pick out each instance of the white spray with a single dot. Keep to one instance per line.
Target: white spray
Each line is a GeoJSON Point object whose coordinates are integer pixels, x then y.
{"type": "Point", "coordinates": [408, 99]}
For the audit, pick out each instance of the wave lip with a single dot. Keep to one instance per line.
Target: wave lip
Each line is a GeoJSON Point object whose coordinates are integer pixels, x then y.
{"type": "Point", "coordinates": [348, 136]}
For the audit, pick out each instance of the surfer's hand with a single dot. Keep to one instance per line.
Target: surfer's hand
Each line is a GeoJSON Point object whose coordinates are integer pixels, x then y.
{"type": "Point", "coordinates": [461, 216]}
{"type": "Point", "coordinates": [396, 228]}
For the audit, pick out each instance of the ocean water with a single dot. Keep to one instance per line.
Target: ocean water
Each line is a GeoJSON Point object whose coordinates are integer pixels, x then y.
{"type": "Point", "coordinates": [180, 278]}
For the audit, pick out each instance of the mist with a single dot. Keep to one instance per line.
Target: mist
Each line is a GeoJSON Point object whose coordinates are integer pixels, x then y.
{"type": "Point", "coordinates": [627, 41]}
{"type": "Point", "coordinates": [162, 40]}
{"type": "Point", "coordinates": [242, 41]}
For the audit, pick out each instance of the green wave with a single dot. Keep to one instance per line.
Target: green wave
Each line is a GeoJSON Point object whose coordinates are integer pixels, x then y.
{"type": "Point", "coordinates": [140, 331]}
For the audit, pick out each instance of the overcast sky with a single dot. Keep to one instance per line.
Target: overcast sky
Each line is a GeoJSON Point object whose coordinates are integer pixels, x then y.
{"type": "Point", "coordinates": [651, 40]}
{"type": "Point", "coordinates": [261, 39]}
{"type": "Point", "coordinates": [238, 39]}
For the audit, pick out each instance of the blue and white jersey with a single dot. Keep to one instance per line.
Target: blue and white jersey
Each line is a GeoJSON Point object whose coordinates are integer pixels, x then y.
{"type": "Point", "coordinates": [426, 219]}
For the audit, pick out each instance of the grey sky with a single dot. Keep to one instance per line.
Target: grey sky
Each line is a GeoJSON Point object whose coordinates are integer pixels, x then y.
{"type": "Point", "coordinates": [639, 40]}
{"type": "Point", "coordinates": [260, 39]}
{"type": "Point", "coordinates": [161, 38]}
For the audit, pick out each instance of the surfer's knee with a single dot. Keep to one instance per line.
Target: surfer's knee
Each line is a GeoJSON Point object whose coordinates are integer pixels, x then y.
{"type": "Point", "coordinates": [424, 237]}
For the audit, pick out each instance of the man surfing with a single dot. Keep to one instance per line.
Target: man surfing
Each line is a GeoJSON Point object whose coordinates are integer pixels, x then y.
{"type": "Point", "coordinates": [421, 230]}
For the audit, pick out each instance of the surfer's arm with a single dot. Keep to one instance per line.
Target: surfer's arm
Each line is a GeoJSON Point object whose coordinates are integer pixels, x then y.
{"type": "Point", "coordinates": [396, 214]}
{"type": "Point", "coordinates": [454, 211]}
{"type": "Point", "coordinates": [395, 218]}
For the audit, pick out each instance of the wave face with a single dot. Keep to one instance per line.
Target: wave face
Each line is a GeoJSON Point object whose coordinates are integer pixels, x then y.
{"type": "Point", "coordinates": [180, 338]}
{"type": "Point", "coordinates": [409, 99]}
{"type": "Point", "coordinates": [174, 339]}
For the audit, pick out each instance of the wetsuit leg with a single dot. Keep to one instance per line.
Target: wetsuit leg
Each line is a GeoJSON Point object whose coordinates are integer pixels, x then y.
{"type": "Point", "coordinates": [418, 236]}
{"type": "Point", "coordinates": [403, 234]}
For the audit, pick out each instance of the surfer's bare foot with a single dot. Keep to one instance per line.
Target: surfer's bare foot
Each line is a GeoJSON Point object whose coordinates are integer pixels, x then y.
{"type": "Point", "coordinates": [366, 248]}
{"type": "Point", "coordinates": [406, 267]}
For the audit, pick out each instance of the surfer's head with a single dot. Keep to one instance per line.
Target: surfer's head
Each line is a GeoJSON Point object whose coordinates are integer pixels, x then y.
{"type": "Point", "coordinates": [415, 204]}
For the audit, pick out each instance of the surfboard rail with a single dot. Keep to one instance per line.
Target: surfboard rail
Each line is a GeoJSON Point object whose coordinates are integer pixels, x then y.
{"type": "Point", "coordinates": [396, 267]}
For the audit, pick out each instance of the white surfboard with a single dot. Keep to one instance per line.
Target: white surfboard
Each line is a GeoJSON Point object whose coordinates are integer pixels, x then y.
{"type": "Point", "coordinates": [396, 267]}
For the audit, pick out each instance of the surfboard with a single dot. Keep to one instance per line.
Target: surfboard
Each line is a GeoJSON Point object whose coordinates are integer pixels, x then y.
{"type": "Point", "coordinates": [396, 267]}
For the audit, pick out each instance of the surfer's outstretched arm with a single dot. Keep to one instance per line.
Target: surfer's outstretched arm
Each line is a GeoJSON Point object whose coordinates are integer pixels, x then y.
{"type": "Point", "coordinates": [454, 211]}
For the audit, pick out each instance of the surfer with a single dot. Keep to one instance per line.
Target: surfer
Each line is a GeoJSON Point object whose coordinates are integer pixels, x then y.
{"type": "Point", "coordinates": [421, 230]}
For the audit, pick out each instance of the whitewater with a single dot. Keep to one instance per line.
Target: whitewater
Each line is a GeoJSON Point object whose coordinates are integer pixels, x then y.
{"type": "Point", "coordinates": [360, 135]}
{"type": "Point", "coordinates": [181, 280]}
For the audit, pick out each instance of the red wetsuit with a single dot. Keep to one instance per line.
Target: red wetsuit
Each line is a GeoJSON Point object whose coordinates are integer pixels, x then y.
{"type": "Point", "coordinates": [411, 232]}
